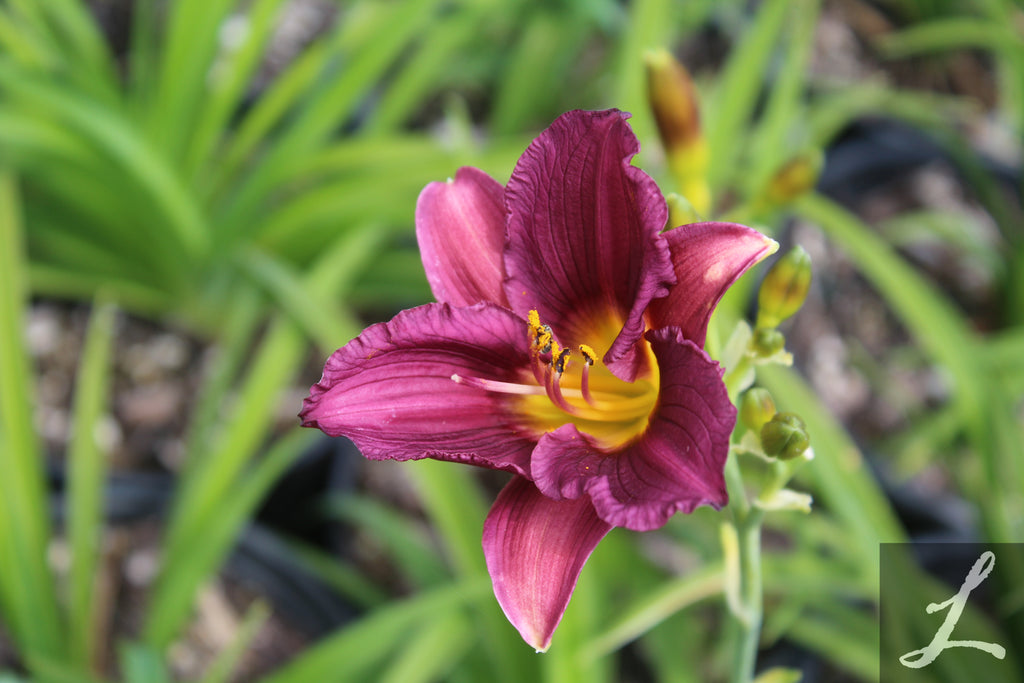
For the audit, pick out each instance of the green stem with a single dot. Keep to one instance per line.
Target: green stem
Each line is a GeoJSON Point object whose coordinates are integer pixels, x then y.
{"type": "Point", "coordinates": [747, 615]}
{"type": "Point", "coordinates": [738, 503]}
{"type": "Point", "coordinates": [748, 621]}
{"type": "Point", "coordinates": [734, 376]}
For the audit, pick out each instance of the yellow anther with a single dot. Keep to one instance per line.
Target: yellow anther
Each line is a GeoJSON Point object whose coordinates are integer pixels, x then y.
{"type": "Point", "coordinates": [534, 319]}
{"type": "Point", "coordinates": [589, 355]}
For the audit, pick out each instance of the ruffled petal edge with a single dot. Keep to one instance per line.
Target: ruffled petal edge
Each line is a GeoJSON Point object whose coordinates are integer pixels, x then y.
{"type": "Point", "coordinates": [391, 389]}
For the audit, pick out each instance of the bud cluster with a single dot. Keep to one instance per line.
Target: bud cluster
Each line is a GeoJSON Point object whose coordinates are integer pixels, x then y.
{"type": "Point", "coordinates": [779, 435]}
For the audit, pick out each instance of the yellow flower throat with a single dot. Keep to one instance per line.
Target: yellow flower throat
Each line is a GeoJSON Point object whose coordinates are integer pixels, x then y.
{"type": "Point", "coordinates": [565, 387]}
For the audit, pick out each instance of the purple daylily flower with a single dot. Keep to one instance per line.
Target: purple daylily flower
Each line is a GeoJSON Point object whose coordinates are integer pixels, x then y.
{"type": "Point", "coordinates": [566, 348]}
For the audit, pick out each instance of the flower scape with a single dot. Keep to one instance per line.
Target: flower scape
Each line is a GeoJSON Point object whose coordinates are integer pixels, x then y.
{"type": "Point", "coordinates": [565, 347]}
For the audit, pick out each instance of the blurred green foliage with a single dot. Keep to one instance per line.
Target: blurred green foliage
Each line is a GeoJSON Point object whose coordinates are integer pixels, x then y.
{"type": "Point", "coordinates": [177, 180]}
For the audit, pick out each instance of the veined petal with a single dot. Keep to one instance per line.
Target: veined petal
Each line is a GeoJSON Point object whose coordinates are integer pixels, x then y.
{"type": "Point", "coordinates": [677, 464]}
{"type": "Point", "coordinates": [583, 247]}
{"type": "Point", "coordinates": [535, 548]}
{"type": "Point", "coordinates": [460, 227]}
{"type": "Point", "coordinates": [708, 258]}
{"type": "Point", "coordinates": [391, 391]}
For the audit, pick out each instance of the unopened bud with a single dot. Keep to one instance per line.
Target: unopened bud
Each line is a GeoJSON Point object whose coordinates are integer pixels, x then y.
{"type": "Point", "coordinates": [796, 177]}
{"type": "Point", "coordinates": [673, 100]}
{"type": "Point", "coordinates": [784, 437]}
{"type": "Point", "coordinates": [767, 341]}
{"type": "Point", "coordinates": [784, 288]}
{"type": "Point", "coordinates": [675, 105]}
{"type": "Point", "coordinates": [757, 408]}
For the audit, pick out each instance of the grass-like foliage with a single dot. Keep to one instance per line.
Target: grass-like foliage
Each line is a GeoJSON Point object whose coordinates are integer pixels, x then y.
{"type": "Point", "coordinates": [265, 207]}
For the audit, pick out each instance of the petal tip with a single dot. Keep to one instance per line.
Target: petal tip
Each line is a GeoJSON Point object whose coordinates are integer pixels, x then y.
{"type": "Point", "coordinates": [707, 258]}
{"type": "Point", "coordinates": [535, 548]}
{"type": "Point", "coordinates": [460, 227]}
{"type": "Point", "coordinates": [538, 640]}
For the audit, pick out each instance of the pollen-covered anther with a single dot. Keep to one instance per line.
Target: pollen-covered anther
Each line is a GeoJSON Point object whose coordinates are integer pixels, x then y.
{"type": "Point", "coordinates": [541, 336]}
{"type": "Point", "coordinates": [589, 355]}
{"type": "Point", "coordinates": [543, 339]}
{"type": "Point", "coordinates": [533, 318]}
{"type": "Point", "coordinates": [549, 360]}
{"type": "Point", "coordinates": [560, 361]}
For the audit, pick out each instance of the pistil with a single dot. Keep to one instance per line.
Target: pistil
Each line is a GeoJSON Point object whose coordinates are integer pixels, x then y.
{"type": "Point", "coordinates": [499, 387]}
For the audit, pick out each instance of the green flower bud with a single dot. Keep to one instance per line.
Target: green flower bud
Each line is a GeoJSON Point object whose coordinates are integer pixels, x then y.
{"type": "Point", "coordinates": [784, 437]}
{"type": "Point", "coordinates": [784, 288]}
{"type": "Point", "coordinates": [767, 341]}
{"type": "Point", "coordinates": [757, 408]}
{"type": "Point", "coordinates": [795, 177]}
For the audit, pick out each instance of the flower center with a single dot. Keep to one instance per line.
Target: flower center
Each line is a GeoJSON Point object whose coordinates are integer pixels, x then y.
{"type": "Point", "coordinates": [565, 385]}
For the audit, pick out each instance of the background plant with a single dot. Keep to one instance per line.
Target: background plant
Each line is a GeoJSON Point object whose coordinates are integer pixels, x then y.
{"type": "Point", "coordinates": [172, 180]}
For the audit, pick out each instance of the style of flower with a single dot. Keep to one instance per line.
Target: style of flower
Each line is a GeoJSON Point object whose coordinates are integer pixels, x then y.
{"type": "Point", "coordinates": [566, 347]}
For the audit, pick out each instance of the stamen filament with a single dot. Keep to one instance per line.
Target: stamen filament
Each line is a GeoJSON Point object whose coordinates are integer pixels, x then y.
{"type": "Point", "coordinates": [589, 357]}
{"type": "Point", "coordinates": [554, 389]}
{"type": "Point", "coordinates": [598, 410]}
{"type": "Point", "coordinates": [585, 385]}
{"type": "Point", "coordinates": [538, 368]}
{"type": "Point", "coordinates": [612, 406]}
